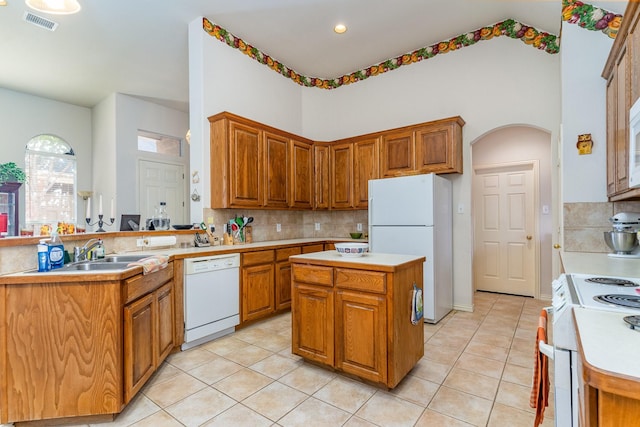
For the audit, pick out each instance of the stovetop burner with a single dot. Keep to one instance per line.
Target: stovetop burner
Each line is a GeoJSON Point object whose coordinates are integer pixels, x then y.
{"type": "Point", "coordinates": [613, 281]}
{"type": "Point", "coordinates": [633, 321]}
{"type": "Point", "coordinates": [631, 301]}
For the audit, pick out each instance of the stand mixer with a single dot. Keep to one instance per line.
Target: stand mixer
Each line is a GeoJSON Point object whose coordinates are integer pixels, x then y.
{"type": "Point", "coordinates": [623, 239]}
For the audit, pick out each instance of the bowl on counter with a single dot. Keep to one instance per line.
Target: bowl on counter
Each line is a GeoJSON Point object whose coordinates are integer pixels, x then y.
{"type": "Point", "coordinates": [621, 242]}
{"type": "Point", "coordinates": [352, 249]}
{"type": "Point", "coordinates": [355, 235]}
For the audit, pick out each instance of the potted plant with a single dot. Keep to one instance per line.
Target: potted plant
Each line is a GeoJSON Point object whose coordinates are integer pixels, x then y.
{"type": "Point", "coordinates": [10, 172]}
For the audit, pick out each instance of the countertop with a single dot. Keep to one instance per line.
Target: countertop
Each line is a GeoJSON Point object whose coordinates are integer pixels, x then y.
{"type": "Point", "coordinates": [609, 348]}
{"type": "Point", "coordinates": [174, 253]}
{"type": "Point", "coordinates": [599, 264]}
{"type": "Point", "coordinates": [387, 262]}
{"type": "Point", "coordinates": [608, 342]}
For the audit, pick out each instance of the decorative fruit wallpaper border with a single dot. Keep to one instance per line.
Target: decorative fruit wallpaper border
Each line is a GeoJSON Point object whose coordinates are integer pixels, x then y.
{"type": "Point", "coordinates": [591, 17]}
{"type": "Point", "coordinates": [575, 12]}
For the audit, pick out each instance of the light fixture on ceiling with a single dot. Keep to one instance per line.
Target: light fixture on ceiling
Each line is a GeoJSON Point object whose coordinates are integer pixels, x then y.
{"type": "Point", "coordinates": [3, 2]}
{"type": "Point", "coordinates": [55, 7]}
{"type": "Point", "coordinates": [340, 28]}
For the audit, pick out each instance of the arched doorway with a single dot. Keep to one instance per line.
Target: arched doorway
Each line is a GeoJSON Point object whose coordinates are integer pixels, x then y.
{"type": "Point", "coordinates": [512, 200]}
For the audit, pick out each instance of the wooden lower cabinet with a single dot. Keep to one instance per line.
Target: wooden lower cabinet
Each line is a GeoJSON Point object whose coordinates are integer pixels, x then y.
{"type": "Point", "coordinates": [81, 348]}
{"type": "Point", "coordinates": [283, 277]}
{"type": "Point", "coordinates": [356, 320]}
{"type": "Point", "coordinates": [148, 336]}
{"type": "Point", "coordinates": [139, 344]}
{"type": "Point", "coordinates": [257, 291]}
{"type": "Point", "coordinates": [605, 400]}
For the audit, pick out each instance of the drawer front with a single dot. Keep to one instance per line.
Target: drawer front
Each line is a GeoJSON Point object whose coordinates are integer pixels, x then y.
{"type": "Point", "coordinates": [313, 248]}
{"type": "Point", "coordinates": [143, 284]}
{"type": "Point", "coordinates": [312, 274]}
{"type": "Point", "coordinates": [284, 254]}
{"type": "Point", "coordinates": [368, 281]}
{"type": "Point", "coordinates": [260, 257]}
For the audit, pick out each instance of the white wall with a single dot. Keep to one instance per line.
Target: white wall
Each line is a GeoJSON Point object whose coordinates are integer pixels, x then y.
{"type": "Point", "coordinates": [583, 55]}
{"type": "Point", "coordinates": [492, 84]}
{"type": "Point", "coordinates": [25, 116]}
{"type": "Point", "coordinates": [105, 168]}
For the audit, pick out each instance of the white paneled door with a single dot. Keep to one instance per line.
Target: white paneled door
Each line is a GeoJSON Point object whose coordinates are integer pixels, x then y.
{"type": "Point", "coordinates": [505, 232]}
{"type": "Point", "coordinates": [162, 182]}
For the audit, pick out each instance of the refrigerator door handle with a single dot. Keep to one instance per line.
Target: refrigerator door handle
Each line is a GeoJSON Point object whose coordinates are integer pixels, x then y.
{"type": "Point", "coordinates": [369, 215]}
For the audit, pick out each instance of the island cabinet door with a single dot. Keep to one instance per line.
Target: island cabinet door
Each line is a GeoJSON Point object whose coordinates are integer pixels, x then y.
{"type": "Point", "coordinates": [361, 337]}
{"type": "Point", "coordinates": [312, 323]}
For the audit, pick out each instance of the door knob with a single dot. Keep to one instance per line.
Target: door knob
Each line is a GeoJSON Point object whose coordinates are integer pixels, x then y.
{"type": "Point", "coordinates": [529, 237]}
{"type": "Point", "coordinates": [556, 246]}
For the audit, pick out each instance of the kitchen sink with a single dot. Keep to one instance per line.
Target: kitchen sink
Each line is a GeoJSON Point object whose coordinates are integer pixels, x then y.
{"type": "Point", "coordinates": [95, 266]}
{"type": "Point", "coordinates": [124, 258]}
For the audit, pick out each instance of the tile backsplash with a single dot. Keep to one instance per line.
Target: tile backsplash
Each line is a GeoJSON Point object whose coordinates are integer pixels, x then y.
{"type": "Point", "coordinates": [293, 224]}
{"type": "Point", "coordinates": [584, 224]}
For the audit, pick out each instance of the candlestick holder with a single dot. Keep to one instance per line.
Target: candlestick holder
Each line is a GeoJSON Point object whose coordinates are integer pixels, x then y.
{"type": "Point", "coordinates": [100, 223]}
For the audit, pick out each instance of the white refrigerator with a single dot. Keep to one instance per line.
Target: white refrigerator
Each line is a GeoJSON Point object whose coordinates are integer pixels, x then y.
{"type": "Point", "coordinates": [413, 215]}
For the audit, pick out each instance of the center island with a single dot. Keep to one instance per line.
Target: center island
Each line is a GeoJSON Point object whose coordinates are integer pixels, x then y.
{"type": "Point", "coordinates": [353, 314]}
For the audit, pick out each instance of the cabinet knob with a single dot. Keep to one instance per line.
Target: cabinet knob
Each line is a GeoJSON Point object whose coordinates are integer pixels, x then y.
{"type": "Point", "coordinates": [529, 237]}
{"type": "Point", "coordinates": [556, 246]}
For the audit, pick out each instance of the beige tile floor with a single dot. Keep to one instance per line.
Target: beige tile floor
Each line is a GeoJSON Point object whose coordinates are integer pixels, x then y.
{"type": "Point", "coordinates": [476, 371]}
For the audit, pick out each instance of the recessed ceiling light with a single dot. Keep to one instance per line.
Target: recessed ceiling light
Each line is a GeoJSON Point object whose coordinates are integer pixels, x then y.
{"type": "Point", "coordinates": [54, 7]}
{"type": "Point", "coordinates": [3, 2]}
{"type": "Point", "coordinates": [340, 28]}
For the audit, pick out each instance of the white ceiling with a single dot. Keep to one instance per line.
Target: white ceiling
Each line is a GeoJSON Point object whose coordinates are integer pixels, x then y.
{"type": "Point", "coordinates": [139, 47]}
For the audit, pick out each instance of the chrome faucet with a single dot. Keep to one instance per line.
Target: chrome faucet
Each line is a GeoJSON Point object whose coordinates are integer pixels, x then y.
{"type": "Point", "coordinates": [80, 254]}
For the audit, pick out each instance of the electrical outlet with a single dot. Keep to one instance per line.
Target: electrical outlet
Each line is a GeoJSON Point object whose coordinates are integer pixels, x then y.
{"type": "Point", "coordinates": [278, 228]}
{"type": "Point", "coordinates": [460, 208]}
{"type": "Point", "coordinates": [317, 226]}
{"type": "Point", "coordinates": [359, 226]}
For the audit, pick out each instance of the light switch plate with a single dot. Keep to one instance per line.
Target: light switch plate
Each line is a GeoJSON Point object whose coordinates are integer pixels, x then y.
{"type": "Point", "coordinates": [359, 227]}
{"type": "Point", "coordinates": [317, 226]}
{"type": "Point", "coordinates": [278, 228]}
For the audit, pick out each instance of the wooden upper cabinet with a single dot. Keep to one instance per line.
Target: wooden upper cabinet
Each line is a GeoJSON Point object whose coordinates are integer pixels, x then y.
{"type": "Point", "coordinates": [633, 46]}
{"type": "Point", "coordinates": [276, 178]}
{"type": "Point", "coordinates": [341, 175]}
{"type": "Point", "coordinates": [246, 159]}
{"type": "Point", "coordinates": [622, 128]}
{"type": "Point", "coordinates": [398, 153]}
{"type": "Point", "coordinates": [622, 73]}
{"type": "Point", "coordinates": [433, 147]}
{"type": "Point", "coordinates": [439, 147]}
{"type": "Point", "coordinates": [612, 94]}
{"type": "Point", "coordinates": [252, 165]}
{"type": "Point", "coordinates": [367, 166]}
{"type": "Point", "coordinates": [301, 175]}
{"type": "Point", "coordinates": [321, 175]}
{"type": "Point", "coordinates": [257, 166]}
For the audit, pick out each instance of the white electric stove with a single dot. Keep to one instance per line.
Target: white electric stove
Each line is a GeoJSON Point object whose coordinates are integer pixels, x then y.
{"type": "Point", "coordinates": [619, 294]}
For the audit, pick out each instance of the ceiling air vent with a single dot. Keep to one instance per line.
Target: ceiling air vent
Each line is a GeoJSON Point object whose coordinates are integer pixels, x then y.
{"type": "Point", "coordinates": [39, 21]}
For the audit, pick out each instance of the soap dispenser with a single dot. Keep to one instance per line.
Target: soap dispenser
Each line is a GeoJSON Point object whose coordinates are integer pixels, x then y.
{"type": "Point", "coordinates": [56, 251]}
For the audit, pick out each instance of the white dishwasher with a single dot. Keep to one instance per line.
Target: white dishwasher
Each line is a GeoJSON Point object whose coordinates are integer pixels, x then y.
{"type": "Point", "coordinates": [211, 297]}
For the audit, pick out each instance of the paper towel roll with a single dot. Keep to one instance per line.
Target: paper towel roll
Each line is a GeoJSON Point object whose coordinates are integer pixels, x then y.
{"type": "Point", "coordinates": [153, 242]}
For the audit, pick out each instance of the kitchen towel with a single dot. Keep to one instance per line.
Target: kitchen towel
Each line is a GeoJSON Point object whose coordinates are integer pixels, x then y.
{"type": "Point", "coordinates": [152, 263]}
{"type": "Point", "coordinates": [416, 305]}
{"type": "Point", "coordinates": [540, 389]}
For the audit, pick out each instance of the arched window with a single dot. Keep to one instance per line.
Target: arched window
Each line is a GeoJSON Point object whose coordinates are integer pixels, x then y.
{"type": "Point", "coordinates": [50, 166]}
